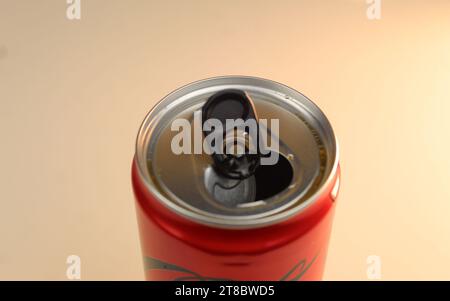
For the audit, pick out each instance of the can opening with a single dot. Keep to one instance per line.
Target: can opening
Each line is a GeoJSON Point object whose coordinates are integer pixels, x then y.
{"type": "Point", "coordinates": [272, 179]}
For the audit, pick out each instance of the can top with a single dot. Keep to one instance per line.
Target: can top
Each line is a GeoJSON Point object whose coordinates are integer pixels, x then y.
{"type": "Point", "coordinates": [182, 172]}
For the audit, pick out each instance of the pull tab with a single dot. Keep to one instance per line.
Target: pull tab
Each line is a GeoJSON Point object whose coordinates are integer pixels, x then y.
{"type": "Point", "coordinates": [234, 105]}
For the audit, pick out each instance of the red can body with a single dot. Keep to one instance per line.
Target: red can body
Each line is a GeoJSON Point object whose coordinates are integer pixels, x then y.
{"type": "Point", "coordinates": [176, 248]}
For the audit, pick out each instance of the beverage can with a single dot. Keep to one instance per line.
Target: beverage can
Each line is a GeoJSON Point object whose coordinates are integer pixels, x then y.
{"type": "Point", "coordinates": [235, 178]}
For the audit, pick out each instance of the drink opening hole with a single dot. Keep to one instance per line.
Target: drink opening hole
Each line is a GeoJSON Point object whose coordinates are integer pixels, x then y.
{"type": "Point", "coordinates": [272, 179]}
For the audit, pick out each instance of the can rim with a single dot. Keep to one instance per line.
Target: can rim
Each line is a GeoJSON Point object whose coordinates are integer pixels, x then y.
{"type": "Point", "coordinates": [232, 223]}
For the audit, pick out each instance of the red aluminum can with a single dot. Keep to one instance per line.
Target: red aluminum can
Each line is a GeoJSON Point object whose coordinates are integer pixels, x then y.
{"type": "Point", "coordinates": [188, 233]}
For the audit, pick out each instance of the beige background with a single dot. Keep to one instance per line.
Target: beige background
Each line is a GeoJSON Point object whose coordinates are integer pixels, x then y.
{"type": "Point", "coordinates": [73, 94]}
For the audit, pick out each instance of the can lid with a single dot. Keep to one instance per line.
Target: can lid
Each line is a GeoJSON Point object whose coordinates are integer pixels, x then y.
{"type": "Point", "coordinates": [190, 178]}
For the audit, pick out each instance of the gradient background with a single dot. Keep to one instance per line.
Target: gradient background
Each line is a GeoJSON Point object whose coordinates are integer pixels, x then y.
{"type": "Point", "coordinates": [73, 94]}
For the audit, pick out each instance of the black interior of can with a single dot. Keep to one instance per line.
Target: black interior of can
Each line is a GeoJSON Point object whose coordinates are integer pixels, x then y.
{"type": "Point", "coordinates": [273, 179]}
